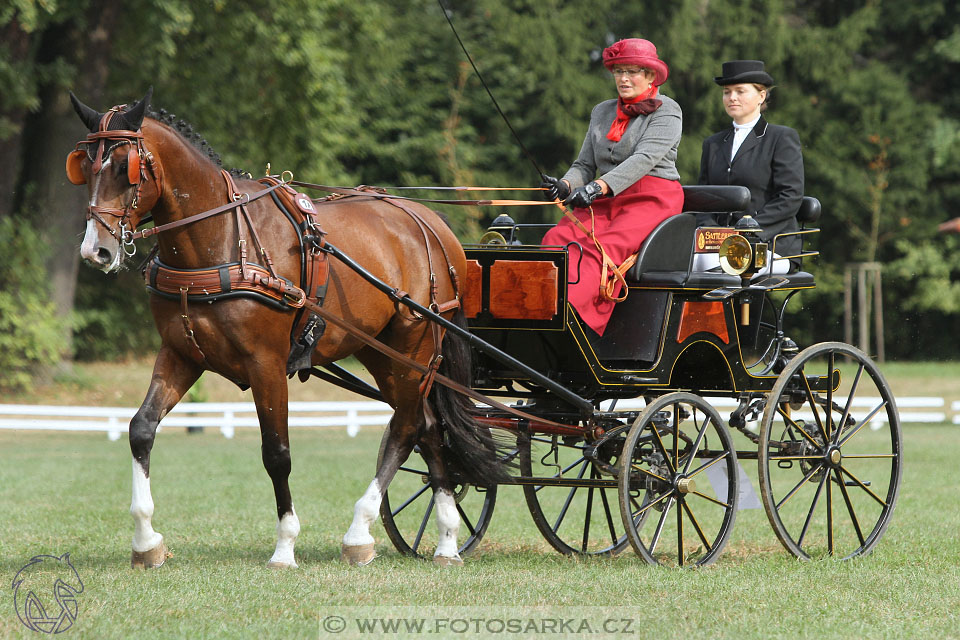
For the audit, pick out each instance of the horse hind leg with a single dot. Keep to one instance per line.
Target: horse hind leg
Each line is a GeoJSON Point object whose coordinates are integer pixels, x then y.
{"type": "Point", "coordinates": [172, 376]}
{"type": "Point", "coordinates": [357, 547]}
{"type": "Point", "coordinates": [448, 518]}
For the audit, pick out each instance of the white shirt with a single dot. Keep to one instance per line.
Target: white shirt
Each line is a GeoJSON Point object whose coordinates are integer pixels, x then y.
{"type": "Point", "coordinates": [740, 132]}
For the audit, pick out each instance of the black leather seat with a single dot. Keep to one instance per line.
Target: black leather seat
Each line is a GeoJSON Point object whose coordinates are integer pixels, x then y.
{"type": "Point", "coordinates": [715, 197]}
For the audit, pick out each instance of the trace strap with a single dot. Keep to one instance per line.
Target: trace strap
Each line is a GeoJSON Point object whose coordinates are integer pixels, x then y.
{"type": "Point", "coordinates": [425, 370]}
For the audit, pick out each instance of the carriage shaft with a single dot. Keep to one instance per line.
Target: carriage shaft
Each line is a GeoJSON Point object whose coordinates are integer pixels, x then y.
{"type": "Point", "coordinates": [584, 405]}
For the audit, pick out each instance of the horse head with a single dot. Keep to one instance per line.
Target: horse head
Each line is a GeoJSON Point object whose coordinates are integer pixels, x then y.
{"type": "Point", "coordinates": [123, 179]}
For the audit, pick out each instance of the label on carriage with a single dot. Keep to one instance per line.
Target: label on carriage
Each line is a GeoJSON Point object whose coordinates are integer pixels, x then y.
{"type": "Point", "coordinates": [708, 239]}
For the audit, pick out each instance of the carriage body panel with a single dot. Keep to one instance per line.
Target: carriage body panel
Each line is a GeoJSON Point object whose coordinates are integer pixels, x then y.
{"type": "Point", "coordinates": [664, 337]}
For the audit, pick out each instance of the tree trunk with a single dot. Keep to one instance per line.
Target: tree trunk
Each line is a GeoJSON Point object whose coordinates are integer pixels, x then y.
{"type": "Point", "coordinates": [53, 204]}
{"type": "Point", "coordinates": [17, 42]}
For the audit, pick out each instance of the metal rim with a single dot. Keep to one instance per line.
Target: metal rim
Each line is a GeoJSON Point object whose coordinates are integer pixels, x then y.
{"type": "Point", "coordinates": [828, 484]}
{"type": "Point", "coordinates": [407, 525]}
{"type": "Point", "coordinates": [574, 520]}
{"type": "Point", "coordinates": [673, 515]}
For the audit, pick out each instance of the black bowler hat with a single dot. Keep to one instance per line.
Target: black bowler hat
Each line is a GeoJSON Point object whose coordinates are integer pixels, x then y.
{"type": "Point", "coordinates": [739, 71]}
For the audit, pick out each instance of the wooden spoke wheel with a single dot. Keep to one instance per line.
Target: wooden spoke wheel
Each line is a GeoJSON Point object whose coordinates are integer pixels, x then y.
{"type": "Point", "coordinates": [575, 507]}
{"type": "Point", "coordinates": [830, 459]}
{"type": "Point", "coordinates": [678, 482]}
{"type": "Point", "coordinates": [410, 519]}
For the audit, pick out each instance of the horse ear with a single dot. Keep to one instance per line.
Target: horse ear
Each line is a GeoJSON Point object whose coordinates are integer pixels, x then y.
{"type": "Point", "coordinates": [134, 115]}
{"type": "Point", "coordinates": [90, 117]}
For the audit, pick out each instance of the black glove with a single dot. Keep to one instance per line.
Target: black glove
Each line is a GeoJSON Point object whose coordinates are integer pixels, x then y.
{"type": "Point", "coordinates": [583, 196]}
{"type": "Point", "coordinates": [556, 188]}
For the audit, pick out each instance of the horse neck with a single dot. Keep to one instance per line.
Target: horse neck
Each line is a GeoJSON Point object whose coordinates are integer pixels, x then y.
{"type": "Point", "coordinates": [192, 184]}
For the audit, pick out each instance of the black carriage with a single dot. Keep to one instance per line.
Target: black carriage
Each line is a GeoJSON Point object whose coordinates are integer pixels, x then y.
{"type": "Point", "coordinates": [621, 442]}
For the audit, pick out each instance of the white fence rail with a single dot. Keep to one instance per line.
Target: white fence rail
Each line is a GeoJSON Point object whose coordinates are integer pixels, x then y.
{"type": "Point", "coordinates": [228, 416]}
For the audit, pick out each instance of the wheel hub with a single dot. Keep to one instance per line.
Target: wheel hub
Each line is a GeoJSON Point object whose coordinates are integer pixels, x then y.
{"type": "Point", "coordinates": [686, 485]}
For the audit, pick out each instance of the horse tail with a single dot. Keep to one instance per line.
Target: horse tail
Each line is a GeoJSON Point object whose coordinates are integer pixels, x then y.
{"type": "Point", "coordinates": [476, 455]}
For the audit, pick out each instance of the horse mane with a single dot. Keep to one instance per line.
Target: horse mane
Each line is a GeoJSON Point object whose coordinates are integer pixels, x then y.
{"type": "Point", "coordinates": [197, 141]}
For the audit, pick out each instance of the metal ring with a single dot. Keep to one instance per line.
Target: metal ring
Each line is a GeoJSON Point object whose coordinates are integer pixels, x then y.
{"type": "Point", "coordinates": [284, 180]}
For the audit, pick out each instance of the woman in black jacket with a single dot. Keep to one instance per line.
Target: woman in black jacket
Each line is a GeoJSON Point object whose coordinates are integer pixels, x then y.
{"type": "Point", "coordinates": [763, 157]}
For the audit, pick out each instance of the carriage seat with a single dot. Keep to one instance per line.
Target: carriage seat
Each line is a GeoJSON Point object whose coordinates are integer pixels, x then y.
{"type": "Point", "coordinates": [667, 253]}
{"type": "Point", "coordinates": [715, 197]}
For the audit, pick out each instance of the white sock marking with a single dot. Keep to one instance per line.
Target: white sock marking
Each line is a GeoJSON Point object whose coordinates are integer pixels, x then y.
{"type": "Point", "coordinates": [365, 513]}
{"type": "Point", "coordinates": [288, 528]}
{"type": "Point", "coordinates": [141, 508]}
{"type": "Point", "coordinates": [448, 524]}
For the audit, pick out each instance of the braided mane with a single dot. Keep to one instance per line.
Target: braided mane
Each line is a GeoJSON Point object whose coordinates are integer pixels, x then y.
{"type": "Point", "coordinates": [187, 132]}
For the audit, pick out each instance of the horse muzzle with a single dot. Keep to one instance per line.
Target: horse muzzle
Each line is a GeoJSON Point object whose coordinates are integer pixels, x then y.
{"type": "Point", "coordinates": [103, 253]}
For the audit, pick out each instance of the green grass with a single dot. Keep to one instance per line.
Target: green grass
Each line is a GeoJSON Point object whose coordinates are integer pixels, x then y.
{"type": "Point", "coordinates": [214, 504]}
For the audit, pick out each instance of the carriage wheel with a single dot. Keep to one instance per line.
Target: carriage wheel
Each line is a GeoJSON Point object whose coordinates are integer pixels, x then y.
{"type": "Point", "coordinates": [407, 520]}
{"type": "Point", "coordinates": [679, 482]}
{"type": "Point", "coordinates": [830, 462]}
{"type": "Point", "coordinates": [573, 517]}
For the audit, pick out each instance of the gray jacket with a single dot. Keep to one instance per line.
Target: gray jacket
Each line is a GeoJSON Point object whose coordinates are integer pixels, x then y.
{"type": "Point", "coordinates": [647, 148]}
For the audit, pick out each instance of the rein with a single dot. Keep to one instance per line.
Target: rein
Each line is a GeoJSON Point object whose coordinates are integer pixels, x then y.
{"type": "Point", "coordinates": [380, 192]}
{"type": "Point", "coordinates": [238, 200]}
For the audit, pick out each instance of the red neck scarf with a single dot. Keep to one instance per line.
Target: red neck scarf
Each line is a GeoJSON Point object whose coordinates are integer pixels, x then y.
{"type": "Point", "coordinates": [645, 103]}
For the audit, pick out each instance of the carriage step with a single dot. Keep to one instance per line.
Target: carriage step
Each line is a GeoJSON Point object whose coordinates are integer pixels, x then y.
{"type": "Point", "coordinates": [638, 380]}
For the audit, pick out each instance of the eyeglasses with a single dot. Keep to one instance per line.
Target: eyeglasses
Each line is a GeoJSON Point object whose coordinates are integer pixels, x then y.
{"type": "Point", "coordinates": [627, 72]}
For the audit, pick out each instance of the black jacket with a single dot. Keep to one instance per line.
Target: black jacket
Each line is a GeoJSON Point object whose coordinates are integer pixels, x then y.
{"type": "Point", "coordinates": [770, 164]}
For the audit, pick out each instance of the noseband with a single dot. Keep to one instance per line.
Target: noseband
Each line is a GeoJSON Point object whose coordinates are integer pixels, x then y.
{"type": "Point", "coordinates": [137, 158]}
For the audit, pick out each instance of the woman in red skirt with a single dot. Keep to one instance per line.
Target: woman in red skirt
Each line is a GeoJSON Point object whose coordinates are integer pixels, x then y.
{"type": "Point", "coordinates": [625, 180]}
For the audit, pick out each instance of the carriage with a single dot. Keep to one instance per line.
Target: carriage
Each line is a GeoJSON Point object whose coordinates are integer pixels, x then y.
{"type": "Point", "coordinates": [665, 476]}
{"type": "Point", "coordinates": [615, 440]}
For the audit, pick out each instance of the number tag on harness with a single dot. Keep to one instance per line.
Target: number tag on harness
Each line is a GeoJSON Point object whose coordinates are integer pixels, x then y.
{"type": "Point", "coordinates": [305, 204]}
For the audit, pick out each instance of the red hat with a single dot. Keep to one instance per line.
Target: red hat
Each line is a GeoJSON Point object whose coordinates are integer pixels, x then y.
{"type": "Point", "coordinates": [636, 51]}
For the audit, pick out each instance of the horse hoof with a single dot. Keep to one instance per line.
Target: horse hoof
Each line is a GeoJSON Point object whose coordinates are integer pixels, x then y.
{"type": "Point", "coordinates": [152, 559]}
{"type": "Point", "coordinates": [357, 554]}
{"type": "Point", "coordinates": [274, 564]}
{"type": "Point", "coordinates": [446, 561]}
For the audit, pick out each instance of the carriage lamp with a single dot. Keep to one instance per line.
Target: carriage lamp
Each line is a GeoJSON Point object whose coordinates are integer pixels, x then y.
{"type": "Point", "coordinates": [499, 230]}
{"type": "Point", "coordinates": [742, 254]}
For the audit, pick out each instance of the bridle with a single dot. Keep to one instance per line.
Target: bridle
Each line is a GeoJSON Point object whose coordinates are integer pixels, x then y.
{"type": "Point", "coordinates": [141, 170]}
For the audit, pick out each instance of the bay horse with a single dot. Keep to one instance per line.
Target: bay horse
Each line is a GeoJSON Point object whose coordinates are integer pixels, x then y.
{"type": "Point", "coordinates": [134, 164]}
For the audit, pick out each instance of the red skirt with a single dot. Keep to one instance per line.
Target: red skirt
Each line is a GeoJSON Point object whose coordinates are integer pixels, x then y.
{"type": "Point", "coordinates": [621, 224]}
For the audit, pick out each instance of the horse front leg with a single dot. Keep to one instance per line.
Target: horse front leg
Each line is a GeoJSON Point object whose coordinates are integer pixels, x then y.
{"type": "Point", "coordinates": [270, 396]}
{"type": "Point", "coordinates": [172, 377]}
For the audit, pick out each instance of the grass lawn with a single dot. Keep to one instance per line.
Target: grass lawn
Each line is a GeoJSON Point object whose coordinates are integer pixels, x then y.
{"type": "Point", "coordinates": [63, 492]}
